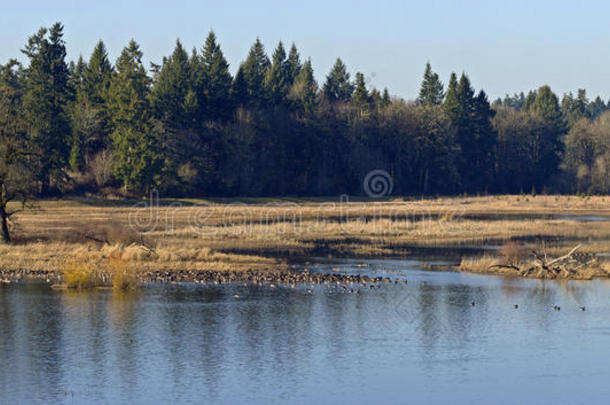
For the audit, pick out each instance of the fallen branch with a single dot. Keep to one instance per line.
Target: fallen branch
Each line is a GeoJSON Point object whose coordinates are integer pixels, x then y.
{"type": "Point", "coordinates": [504, 266]}
{"type": "Point", "coordinates": [562, 258]}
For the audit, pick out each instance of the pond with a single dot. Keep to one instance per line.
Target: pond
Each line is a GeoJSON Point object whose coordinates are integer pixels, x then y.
{"type": "Point", "coordinates": [443, 337]}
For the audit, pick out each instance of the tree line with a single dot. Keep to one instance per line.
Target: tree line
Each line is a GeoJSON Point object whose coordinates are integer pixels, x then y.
{"type": "Point", "coordinates": [188, 127]}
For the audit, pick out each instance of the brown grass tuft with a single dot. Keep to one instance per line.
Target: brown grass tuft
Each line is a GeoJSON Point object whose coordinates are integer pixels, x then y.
{"type": "Point", "coordinates": [123, 275]}
{"type": "Point", "coordinates": [82, 274]}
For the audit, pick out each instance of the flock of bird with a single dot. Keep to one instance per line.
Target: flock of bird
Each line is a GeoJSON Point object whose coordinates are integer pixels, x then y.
{"type": "Point", "coordinates": [344, 283]}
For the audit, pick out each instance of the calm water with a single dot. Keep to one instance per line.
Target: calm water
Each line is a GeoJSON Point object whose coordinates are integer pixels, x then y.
{"type": "Point", "coordinates": [421, 343]}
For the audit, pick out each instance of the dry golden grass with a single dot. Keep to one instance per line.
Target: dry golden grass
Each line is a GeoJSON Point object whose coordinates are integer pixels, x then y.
{"type": "Point", "coordinates": [81, 275]}
{"type": "Point", "coordinates": [260, 234]}
{"type": "Point", "coordinates": [481, 264]}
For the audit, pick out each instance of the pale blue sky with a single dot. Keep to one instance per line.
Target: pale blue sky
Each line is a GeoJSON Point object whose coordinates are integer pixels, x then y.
{"type": "Point", "coordinates": [504, 46]}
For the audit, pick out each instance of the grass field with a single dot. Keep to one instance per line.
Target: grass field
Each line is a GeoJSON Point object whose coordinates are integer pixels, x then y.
{"type": "Point", "coordinates": [263, 234]}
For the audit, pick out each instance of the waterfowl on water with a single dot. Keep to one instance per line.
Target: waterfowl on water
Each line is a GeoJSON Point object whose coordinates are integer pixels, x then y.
{"type": "Point", "coordinates": [582, 308]}
{"type": "Point", "coordinates": [516, 306]}
{"type": "Point", "coordinates": [472, 303]}
{"type": "Point", "coordinates": [556, 307]}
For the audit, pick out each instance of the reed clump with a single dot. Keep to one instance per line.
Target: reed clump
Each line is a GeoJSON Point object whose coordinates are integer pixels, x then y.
{"type": "Point", "coordinates": [114, 270]}
{"type": "Point", "coordinates": [123, 275]}
{"type": "Point", "coordinates": [80, 274]}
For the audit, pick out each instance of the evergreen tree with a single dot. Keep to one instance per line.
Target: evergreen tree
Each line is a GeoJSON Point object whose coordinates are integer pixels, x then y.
{"type": "Point", "coordinates": [77, 74]}
{"type": "Point", "coordinates": [47, 96]}
{"type": "Point", "coordinates": [198, 82]}
{"type": "Point", "coordinates": [134, 143]}
{"type": "Point", "coordinates": [171, 88]}
{"type": "Point", "coordinates": [573, 109]}
{"type": "Point", "coordinates": [254, 71]}
{"type": "Point", "coordinates": [452, 104]}
{"type": "Point", "coordinates": [276, 80]}
{"type": "Point", "coordinates": [431, 92]}
{"type": "Point", "coordinates": [96, 78]}
{"type": "Point", "coordinates": [337, 86]}
{"type": "Point", "coordinates": [529, 100]}
{"type": "Point", "coordinates": [361, 97]}
{"type": "Point", "coordinates": [294, 65]}
{"type": "Point", "coordinates": [385, 98]}
{"type": "Point", "coordinates": [484, 143]}
{"type": "Point", "coordinates": [597, 107]}
{"type": "Point", "coordinates": [546, 106]}
{"type": "Point", "coordinates": [89, 116]}
{"type": "Point", "coordinates": [304, 89]}
{"type": "Point", "coordinates": [475, 136]}
{"type": "Point", "coordinates": [217, 80]}
{"type": "Point", "coordinates": [376, 100]}
{"type": "Point", "coordinates": [516, 101]}
{"type": "Point", "coordinates": [239, 88]}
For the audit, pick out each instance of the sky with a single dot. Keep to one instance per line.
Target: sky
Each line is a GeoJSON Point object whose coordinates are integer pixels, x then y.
{"type": "Point", "coordinates": [503, 46]}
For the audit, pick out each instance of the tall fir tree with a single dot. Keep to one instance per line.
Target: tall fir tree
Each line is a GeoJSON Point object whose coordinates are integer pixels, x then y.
{"type": "Point", "coordinates": [77, 74]}
{"type": "Point", "coordinates": [170, 90]}
{"type": "Point", "coordinates": [338, 86]}
{"type": "Point", "coordinates": [135, 146]}
{"type": "Point", "coordinates": [386, 100]}
{"type": "Point", "coordinates": [471, 116]}
{"type": "Point", "coordinates": [276, 79]}
{"type": "Point", "coordinates": [304, 89]}
{"type": "Point", "coordinates": [46, 100]}
{"type": "Point", "coordinates": [96, 78]}
{"type": "Point", "coordinates": [217, 81]}
{"type": "Point", "coordinates": [89, 115]}
{"type": "Point", "coordinates": [546, 105]}
{"type": "Point", "coordinates": [294, 65]}
{"type": "Point", "coordinates": [484, 142]}
{"type": "Point", "coordinates": [239, 88]}
{"type": "Point", "coordinates": [529, 100]}
{"type": "Point", "coordinates": [596, 107]}
{"type": "Point", "coordinates": [255, 69]}
{"type": "Point", "coordinates": [361, 98]}
{"type": "Point", "coordinates": [574, 109]}
{"type": "Point", "coordinates": [549, 148]}
{"type": "Point", "coordinates": [431, 91]}
{"type": "Point", "coordinates": [452, 103]}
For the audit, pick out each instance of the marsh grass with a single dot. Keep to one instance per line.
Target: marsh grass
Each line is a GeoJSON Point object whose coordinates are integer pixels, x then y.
{"type": "Point", "coordinates": [122, 274]}
{"type": "Point", "coordinates": [219, 235]}
{"type": "Point", "coordinates": [479, 264]}
{"type": "Point", "coordinates": [114, 267]}
{"type": "Point", "coordinates": [82, 275]}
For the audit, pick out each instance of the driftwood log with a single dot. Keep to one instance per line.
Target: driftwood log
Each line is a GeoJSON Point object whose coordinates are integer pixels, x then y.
{"type": "Point", "coordinates": [566, 265]}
